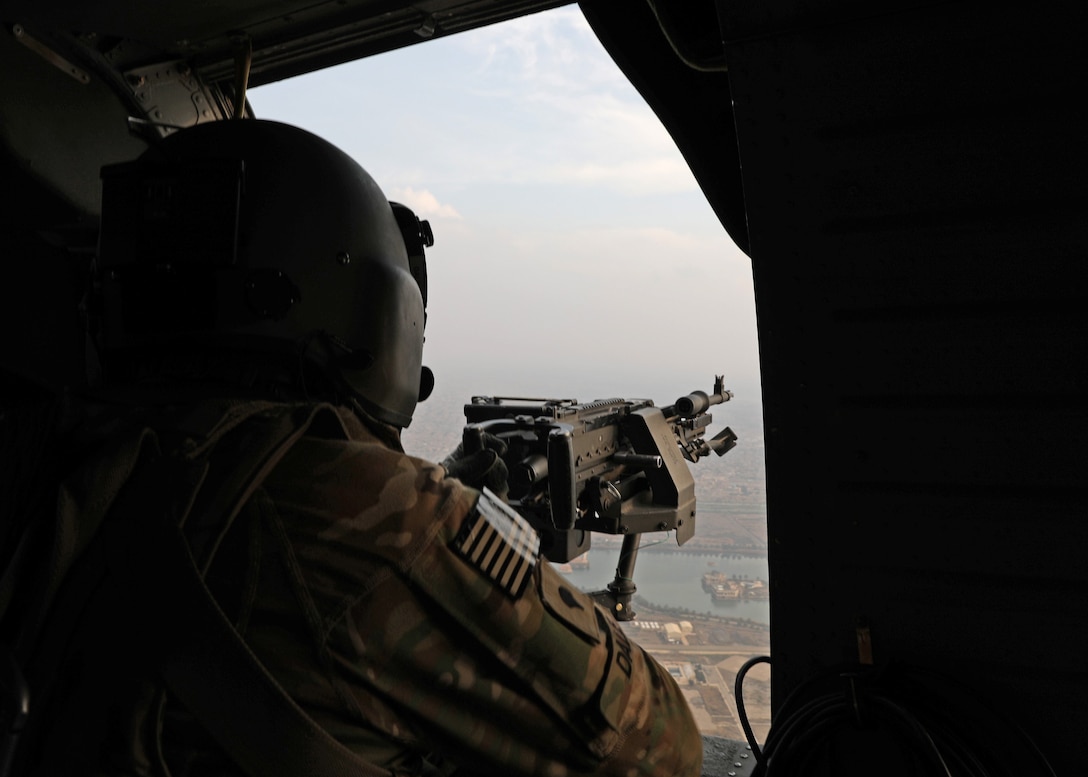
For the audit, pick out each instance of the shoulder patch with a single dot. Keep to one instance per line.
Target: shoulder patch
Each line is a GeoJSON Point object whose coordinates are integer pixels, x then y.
{"type": "Point", "coordinates": [500, 543]}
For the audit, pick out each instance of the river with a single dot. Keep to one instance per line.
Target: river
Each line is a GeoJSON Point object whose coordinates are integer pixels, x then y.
{"type": "Point", "coordinates": [675, 578]}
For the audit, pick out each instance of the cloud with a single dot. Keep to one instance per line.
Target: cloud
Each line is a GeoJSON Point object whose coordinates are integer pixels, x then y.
{"type": "Point", "coordinates": [533, 101]}
{"type": "Point", "coordinates": [425, 204]}
{"type": "Point", "coordinates": [558, 110]}
{"type": "Point", "coordinates": [636, 176]}
{"type": "Point", "coordinates": [579, 245]}
{"type": "Point", "coordinates": [546, 48]}
{"type": "Point", "coordinates": [632, 255]}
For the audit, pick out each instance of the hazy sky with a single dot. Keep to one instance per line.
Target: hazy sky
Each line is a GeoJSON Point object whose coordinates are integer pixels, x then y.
{"type": "Point", "coordinates": [573, 250]}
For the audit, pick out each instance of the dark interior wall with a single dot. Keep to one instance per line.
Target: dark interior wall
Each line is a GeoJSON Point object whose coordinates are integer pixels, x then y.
{"type": "Point", "coordinates": [913, 202]}
{"type": "Point", "coordinates": [56, 132]}
{"type": "Point", "coordinates": [914, 184]}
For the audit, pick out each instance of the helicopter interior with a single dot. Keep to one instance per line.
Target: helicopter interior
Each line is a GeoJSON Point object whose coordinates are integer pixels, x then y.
{"type": "Point", "coordinates": [909, 183]}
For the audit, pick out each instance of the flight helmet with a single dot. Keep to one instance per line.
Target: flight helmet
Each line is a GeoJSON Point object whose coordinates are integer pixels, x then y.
{"type": "Point", "coordinates": [259, 236]}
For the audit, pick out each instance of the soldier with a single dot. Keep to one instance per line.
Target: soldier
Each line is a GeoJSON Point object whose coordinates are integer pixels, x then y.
{"type": "Point", "coordinates": [250, 275]}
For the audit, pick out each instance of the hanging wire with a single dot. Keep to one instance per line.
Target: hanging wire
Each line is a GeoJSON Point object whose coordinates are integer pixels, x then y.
{"type": "Point", "coordinates": [738, 692]}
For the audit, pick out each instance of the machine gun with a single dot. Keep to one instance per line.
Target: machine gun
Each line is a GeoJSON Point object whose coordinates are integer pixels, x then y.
{"type": "Point", "coordinates": [614, 466]}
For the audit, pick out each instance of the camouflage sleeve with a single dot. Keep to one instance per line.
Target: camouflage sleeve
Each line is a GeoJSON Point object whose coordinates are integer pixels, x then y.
{"type": "Point", "coordinates": [462, 641]}
{"type": "Point", "coordinates": [571, 660]}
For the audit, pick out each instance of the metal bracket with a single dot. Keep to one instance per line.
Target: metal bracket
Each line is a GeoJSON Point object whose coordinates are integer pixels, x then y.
{"type": "Point", "coordinates": [172, 95]}
{"type": "Point", "coordinates": [49, 55]}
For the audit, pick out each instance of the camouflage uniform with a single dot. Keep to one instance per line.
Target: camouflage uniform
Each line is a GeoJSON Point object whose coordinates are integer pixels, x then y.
{"type": "Point", "coordinates": [407, 622]}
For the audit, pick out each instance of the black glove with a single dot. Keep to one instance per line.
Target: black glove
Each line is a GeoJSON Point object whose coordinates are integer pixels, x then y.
{"type": "Point", "coordinates": [480, 468]}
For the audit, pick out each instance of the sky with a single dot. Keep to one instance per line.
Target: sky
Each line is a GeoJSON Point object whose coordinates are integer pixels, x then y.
{"type": "Point", "coordinates": [574, 253]}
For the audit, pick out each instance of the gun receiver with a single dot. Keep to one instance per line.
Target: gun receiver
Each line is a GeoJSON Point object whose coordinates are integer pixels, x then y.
{"type": "Point", "coordinates": [614, 466]}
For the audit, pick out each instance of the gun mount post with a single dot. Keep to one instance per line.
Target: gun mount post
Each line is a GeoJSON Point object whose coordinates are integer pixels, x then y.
{"type": "Point", "coordinates": [617, 595]}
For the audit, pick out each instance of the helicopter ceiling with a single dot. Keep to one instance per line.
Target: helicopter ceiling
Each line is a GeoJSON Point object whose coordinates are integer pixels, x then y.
{"type": "Point", "coordinates": [288, 37]}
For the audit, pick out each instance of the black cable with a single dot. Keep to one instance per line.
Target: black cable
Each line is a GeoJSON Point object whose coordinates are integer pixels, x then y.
{"type": "Point", "coordinates": [738, 694]}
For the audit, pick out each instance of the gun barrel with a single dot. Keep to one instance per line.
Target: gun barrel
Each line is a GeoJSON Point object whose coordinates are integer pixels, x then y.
{"type": "Point", "coordinates": [699, 402]}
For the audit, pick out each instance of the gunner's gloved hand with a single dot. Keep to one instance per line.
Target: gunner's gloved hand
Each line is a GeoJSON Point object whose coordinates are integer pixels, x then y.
{"type": "Point", "coordinates": [482, 467]}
